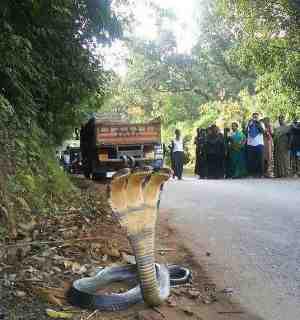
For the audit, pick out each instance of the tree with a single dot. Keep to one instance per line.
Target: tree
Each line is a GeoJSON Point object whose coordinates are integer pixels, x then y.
{"type": "Point", "coordinates": [269, 33]}
{"type": "Point", "coordinates": [48, 63]}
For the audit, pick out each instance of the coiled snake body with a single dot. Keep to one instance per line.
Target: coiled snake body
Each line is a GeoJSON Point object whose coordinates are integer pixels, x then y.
{"type": "Point", "coordinates": [134, 197]}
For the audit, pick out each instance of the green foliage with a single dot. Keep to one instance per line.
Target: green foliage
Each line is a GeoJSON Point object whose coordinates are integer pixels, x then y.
{"type": "Point", "coordinates": [38, 177]}
{"type": "Point", "coordinates": [51, 76]}
{"type": "Point", "coordinates": [48, 65]}
{"type": "Point", "coordinates": [269, 33]}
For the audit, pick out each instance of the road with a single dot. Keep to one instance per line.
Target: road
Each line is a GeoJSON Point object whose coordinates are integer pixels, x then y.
{"type": "Point", "coordinates": [252, 230]}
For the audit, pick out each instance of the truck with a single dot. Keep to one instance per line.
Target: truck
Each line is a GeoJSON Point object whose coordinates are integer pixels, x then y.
{"type": "Point", "coordinates": [107, 146]}
{"type": "Point", "coordinates": [69, 156]}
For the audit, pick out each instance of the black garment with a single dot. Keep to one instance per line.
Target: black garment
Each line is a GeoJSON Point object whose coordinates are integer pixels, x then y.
{"type": "Point", "coordinates": [200, 166]}
{"type": "Point", "coordinates": [295, 137]}
{"type": "Point", "coordinates": [215, 153]}
{"type": "Point", "coordinates": [227, 162]}
{"type": "Point", "coordinates": [215, 167]}
{"type": "Point", "coordinates": [196, 142]}
{"type": "Point", "coordinates": [178, 158]}
{"type": "Point", "coordinates": [202, 170]}
{"type": "Point", "coordinates": [255, 160]}
{"type": "Point", "coordinates": [295, 147]}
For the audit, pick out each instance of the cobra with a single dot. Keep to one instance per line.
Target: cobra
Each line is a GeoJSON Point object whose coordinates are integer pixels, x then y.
{"type": "Point", "coordinates": [134, 198]}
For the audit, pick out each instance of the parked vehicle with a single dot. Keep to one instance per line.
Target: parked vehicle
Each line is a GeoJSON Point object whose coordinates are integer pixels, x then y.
{"type": "Point", "coordinates": [107, 146]}
{"type": "Point", "coordinates": [72, 162]}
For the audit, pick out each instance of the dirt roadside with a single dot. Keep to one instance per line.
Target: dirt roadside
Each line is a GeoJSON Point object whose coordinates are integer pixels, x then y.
{"type": "Point", "coordinates": [34, 278]}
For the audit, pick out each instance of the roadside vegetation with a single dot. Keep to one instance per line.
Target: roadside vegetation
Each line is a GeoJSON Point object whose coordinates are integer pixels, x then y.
{"type": "Point", "coordinates": [51, 77]}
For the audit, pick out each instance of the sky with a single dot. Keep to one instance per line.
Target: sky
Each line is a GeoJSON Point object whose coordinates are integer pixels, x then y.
{"type": "Point", "coordinates": [145, 28]}
{"type": "Point", "coordinates": [183, 28]}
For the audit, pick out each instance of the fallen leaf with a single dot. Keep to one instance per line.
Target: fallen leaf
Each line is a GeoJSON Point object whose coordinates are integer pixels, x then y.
{"type": "Point", "coordinates": [128, 258]}
{"type": "Point", "coordinates": [194, 294]}
{"type": "Point", "coordinates": [76, 267]}
{"type": "Point", "coordinates": [54, 296]}
{"type": "Point", "coordinates": [59, 314]}
{"type": "Point", "coordinates": [150, 315]}
{"type": "Point", "coordinates": [27, 227]}
{"type": "Point", "coordinates": [172, 301]}
{"type": "Point", "coordinates": [20, 294]}
{"type": "Point", "coordinates": [187, 310]}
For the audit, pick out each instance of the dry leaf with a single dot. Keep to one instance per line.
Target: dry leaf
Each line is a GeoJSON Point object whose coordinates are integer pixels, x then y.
{"type": "Point", "coordinates": [27, 227]}
{"type": "Point", "coordinates": [54, 296]}
{"type": "Point", "coordinates": [59, 314]}
{"type": "Point", "coordinates": [76, 267]}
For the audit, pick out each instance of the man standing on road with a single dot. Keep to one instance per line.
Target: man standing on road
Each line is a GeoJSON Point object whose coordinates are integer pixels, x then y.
{"type": "Point", "coordinates": [255, 146]}
{"type": "Point", "coordinates": [177, 155]}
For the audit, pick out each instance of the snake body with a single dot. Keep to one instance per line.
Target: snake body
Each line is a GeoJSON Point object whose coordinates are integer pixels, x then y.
{"type": "Point", "coordinates": [83, 292]}
{"type": "Point", "coordinates": [134, 197]}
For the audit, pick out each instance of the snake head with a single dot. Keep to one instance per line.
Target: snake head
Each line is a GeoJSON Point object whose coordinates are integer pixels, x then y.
{"type": "Point", "coordinates": [134, 197]}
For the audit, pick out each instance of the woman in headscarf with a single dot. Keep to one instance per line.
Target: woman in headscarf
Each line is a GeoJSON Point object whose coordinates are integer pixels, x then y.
{"type": "Point", "coordinates": [237, 152]}
{"type": "Point", "coordinates": [197, 144]}
{"type": "Point", "coordinates": [215, 153]}
{"type": "Point", "coordinates": [268, 150]}
{"type": "Point", "coordinates": [228, 171]}
{"type": "Point", "coordinates": [200, 167]}
{"type": "Point", "coordinates": [281, 149]}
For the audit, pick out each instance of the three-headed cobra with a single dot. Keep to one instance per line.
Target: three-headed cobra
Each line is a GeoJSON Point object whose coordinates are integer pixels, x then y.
{"type": "Point", "coordinates": [134, 198]}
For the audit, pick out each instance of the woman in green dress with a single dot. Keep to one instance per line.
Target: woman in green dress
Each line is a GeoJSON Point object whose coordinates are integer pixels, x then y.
{"type": "Point", "coordinates": [237, 152]}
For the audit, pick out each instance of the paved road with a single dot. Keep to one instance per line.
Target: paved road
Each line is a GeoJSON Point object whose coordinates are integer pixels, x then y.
{"type": "Point", "coordinates": [252, 229]}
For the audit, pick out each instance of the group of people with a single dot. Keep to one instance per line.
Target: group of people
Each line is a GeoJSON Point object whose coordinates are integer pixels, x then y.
{"type": "Point", "coordinates": [257, 150]}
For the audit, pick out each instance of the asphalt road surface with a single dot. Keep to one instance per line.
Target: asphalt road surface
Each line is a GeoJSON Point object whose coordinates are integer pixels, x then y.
{"type": "Point", "coordinates": [251, 228]}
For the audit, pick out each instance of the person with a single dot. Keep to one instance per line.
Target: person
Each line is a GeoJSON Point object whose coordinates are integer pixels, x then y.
{"type": "Point", "coordinates": [255, 146]}
{"type": "Point", "coordinates": [57, 155]}
{"type": "Point", "coordinates": [67, 158]}
{"type": "Point", "coordinates": [197, 144]}
{"type": "Point", "coordinates": [228, 171]}
{"type": "Point", "coordinates": [237, 153]}
{"type": "Point", "coordinates": [215, 153]}
{"type": "Point", "coordinates": [281, 149]}
{"type": "Point", "coordinates": [268, 148]}
{"type": "Point", "coordinates": [199, 141]}
{"type": "Point", "coordinates": [295, 147]}
{"type": "Point", "coordinates": [177, 154]}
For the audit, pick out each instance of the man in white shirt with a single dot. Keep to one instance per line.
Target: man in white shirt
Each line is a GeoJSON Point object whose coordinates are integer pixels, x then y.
{"type": "Point", "coordinates": [177, 155]}
{"type": "Point", "coordinates": [67, 159]}
{"type": "Point", "coordinates": [255, 146]}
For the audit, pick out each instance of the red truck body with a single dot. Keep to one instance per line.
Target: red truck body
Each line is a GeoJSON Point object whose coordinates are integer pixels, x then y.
{"type": "Point", "coordinates": [107, 146]}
